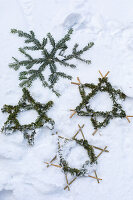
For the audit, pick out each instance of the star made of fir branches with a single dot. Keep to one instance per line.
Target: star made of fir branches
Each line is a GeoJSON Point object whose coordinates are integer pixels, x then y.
{"type": "Point", "coordinates": [50, 58]}
{"type": "Point", "coordinates": [84, 108]}
{"type": "Point", "coordinates": [73, 171]}
{"type": "Point", "coordinates": [26, 103]}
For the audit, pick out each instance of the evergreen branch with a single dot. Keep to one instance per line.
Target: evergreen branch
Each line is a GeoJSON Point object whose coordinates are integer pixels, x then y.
{"type": "Point", "coordinates": [26, 54]}
{"type": "Point", "coordinates": [42, 79]}
{"type": "Point", "coordinates": [15, 65]}
{"type": "Point", "coordinates": [51, 39]}
{"type": "Point", "coordinates": [44, 42]}
{"type": "Point", "coordinates": [49, 58]}
{"type": "Point", "coordinates": [63, 75]}
{"type": "Point", "coordinates": [66, 38]}
{"type": "Point", "coordinates": [31, 48]}
{"type": "Point", "coordinates": [65, 63]}
{"type": "Point", "coordinates": [86, 48]}
{"type": "Point", "coordinates": [20, 33]}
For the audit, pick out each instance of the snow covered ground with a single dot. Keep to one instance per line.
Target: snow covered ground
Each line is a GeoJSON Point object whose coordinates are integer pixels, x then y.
{"type": "Point", "coordinates": [109, 24]}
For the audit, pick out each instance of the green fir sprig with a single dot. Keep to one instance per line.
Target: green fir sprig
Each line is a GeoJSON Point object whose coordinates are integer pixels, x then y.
{"type": "Point", "coordinates": [26, 103]}
{"type": "Point", "coordinates": [84, 108]}
{"type": "Point", "coordinates": [50, 58]}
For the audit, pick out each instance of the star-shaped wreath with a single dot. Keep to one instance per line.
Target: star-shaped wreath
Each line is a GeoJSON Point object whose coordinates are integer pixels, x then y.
{"type": "Point", "coordinates": [49, 58]}
{"type": "Point", "coordinates": [26, 103]}
{"type": "Point", "coordinates": [63, 164]}
{"type": "Point", "coordinates": [84, 108]}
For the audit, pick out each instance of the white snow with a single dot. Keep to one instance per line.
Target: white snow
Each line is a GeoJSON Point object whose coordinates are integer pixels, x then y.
{"type": "Point", "coordinates": [27, 117]}
{"type": "Point", "coordinates": [98, 102]}
{"type": "Point", "coordinates": [109, 24]}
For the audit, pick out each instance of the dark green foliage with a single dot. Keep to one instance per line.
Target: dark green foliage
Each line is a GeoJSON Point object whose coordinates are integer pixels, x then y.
{"type": "Point", "coordinates": [103, 86]}
{"type": "Point", "coordinates": [50, 58]}
{"type": "Point", "coordinates": [83, 170]}
{"type": "Point", "coordinates": [26, 103]}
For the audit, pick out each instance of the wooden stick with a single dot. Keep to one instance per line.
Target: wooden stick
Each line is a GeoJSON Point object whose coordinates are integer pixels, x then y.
{"type": "Point", "coordinates": [77, 132]}
{"type": "Point", "coordinates": [100, 73]}
{"type": "Point", "coordinates": [78, 80]}
{"type": "Point", "coordinates": [81, 131]}
{"type": "Point", "coordinates": [63, 137]}
{"type": "Point", "coordinates": [74, 135]}
{"type": "Point", "coordinates": [74, 112]}
{"type": "Point", "coordinates": [53, 164]}
{"type": "Point", "coordinates": [94, 132]}
{"type": "Point", "coordinates": [67, 182]}
{"type": "Point", "coordinates": [75, 83]}
{"type": "Point", "coordinates": [52, 160]}
{"type": "Point", "coordinates": [99, 179]}
{"type": "Point", "coordinates": [99, 148]}
{"type": "Point", "coordinates": [128, 119]}
{"type": "Point", "coordinates": [129, 115]}
{"type": "Point", "coordinates": [101, 151]}
{"type": "Point", "coordinates": [70, 183]}
{"type": "Point", "coordinates": [96, 176]}
{"type": "Point", "coordinates": [106, 74]}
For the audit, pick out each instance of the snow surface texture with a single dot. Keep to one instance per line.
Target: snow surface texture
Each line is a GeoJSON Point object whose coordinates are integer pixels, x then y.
{"type": "Point", "coordinates": [109, 24]}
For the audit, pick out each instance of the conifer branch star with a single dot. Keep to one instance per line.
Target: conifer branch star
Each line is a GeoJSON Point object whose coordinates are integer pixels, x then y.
{"type": "Point", "coordinates": [26, 103]}
{"type": "Point", "coordinates": [48, 59]}
{"type": "Point", "coordinates": [84, 108]}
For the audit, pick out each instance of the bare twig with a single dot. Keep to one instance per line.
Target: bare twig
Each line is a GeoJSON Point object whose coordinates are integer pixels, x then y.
{"type": "Point", "coordinates": [75, 83]}
{"type": "Point", "coordinates": [67, 182]}
{"type": "Point", "coordinates": [80, 128]}
{"type": "Point", "coordinates": [78, 80]}
{"type": "Point", "coordinates": [70, 183]}
{"type": "Point", "coordinates": [53, 164]}
{"type": "Point", "coordinates": [74, 112]}
{"type": "Point", "coordinates": [52, 160]}
{"type": "Point", "coordinates": [99, 148]}
{"type": "Point", "coordinates": [94, 132]}
{"type": "Point", "coordinates": [101, 152]}
{"type": "Point", "coordinates": [77, 132]}
{"type": "Point", "coordinates": [96, 176]}
{"type": "Point", "coordinates": [63, 137]}
{"type": "Point", "coordinates": [100, 73]}
{"type": "Point", "coordinates": [106, 74]}
{"type": "Point", "coordinates": [128, 119]}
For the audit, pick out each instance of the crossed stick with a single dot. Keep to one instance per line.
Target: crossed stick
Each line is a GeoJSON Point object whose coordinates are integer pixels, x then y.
{"type": "Point", "coordinates": [79, 82]}
{"type": "Point", "coordinates": [127, 117]}
{"type": "Point", "coordinates": [58, 166]}
{"type": "Point", "coordinates": [104, 75]}
{"type": "Point", "coordinates": [98, 180]}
